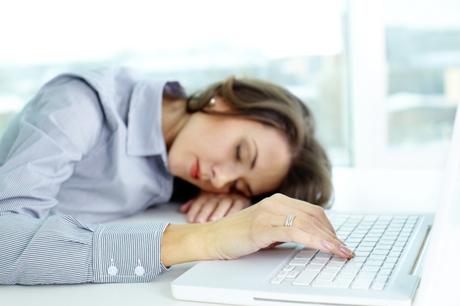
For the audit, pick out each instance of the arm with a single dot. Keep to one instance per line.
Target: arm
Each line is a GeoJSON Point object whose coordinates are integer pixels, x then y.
{"type": "Point", "coordinates": [249, 230]}
{"type": "Point", "coordinates": [61, 250]}
{"type": "Point", "coordinates": [37, 154]}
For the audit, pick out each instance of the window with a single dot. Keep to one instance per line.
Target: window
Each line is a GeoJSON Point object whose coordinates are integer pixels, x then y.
{"type": "Point", "coordinates": [297, 44]}
{"type": "Point", "coordinates": [403, 59]}
{"type": "Point", "coordinates": [382, 77]}
{"type": "Point", "coordinates": [423, 77]}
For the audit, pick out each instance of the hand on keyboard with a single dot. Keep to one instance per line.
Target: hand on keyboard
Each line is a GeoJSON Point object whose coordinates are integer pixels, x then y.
{"type": "Point", "coordinates": [379, 242]}
{"type": "Point", "coordinates": [263, 224]}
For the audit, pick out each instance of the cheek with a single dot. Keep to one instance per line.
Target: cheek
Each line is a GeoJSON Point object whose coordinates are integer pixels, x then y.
{"type": "Point", "coordinates": [173, 161]}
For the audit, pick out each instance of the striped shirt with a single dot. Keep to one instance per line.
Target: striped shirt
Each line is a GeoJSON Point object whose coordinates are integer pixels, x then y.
{"type": "Point", "coordinates": [88, 148]}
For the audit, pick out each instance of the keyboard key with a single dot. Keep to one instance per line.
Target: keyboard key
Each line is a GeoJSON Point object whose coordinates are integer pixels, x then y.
{"type": "Point", "coordinates": [370, 268]}
{"type": "Point", "coordinates": [342, 283]}
{"type": "Point", "coordinates": [326, 276]}
{"type": "Point", "coordinates": [367, 244]}
{"type": "Point", "coordinates": [337, 259]}
{"type": "Point", "coordinates": [299, 262]}
{"type": "Point", "coordinates": [379, 252]}
{"type": "Point", "coordinates": [314, 267]}
{"type": "Point", "coordinates": [375, 263]}
{"type": "Point", "coordinates": [391, 259]}
{"type": "Point", "coordinates": [323, 255]}
{"type": "Point", "coordinates": [366, 275]}
{"type": "Point", "coordinates": [381, 278]}
{"type": "Point", "coordinates": [370, 239]}
{"type": "Point", "coordinates": [361, 284]}
{"type": "Point", "coordinates": [277, 280]}
{"type": "Point", "coordinates": [289, 268]}
{"type": "Point", "coordinates": [362, 253]}
{"type": "Point", "coordinates": [358, 259]}
{"type": "Point", "coordinates": [293, 274]}
{"type": "Point", "coordinates": [385, 271]}
{"type": "Point", "coordinates": [305, 254]}
{"type": "Point", "coordinates": [319, 283]}
{"type": "Point", "coordinates": [320, 260]}
{"type": "Point", "coordinates": [304, 278]}
{"type": "Point", "coordinates": [388, 265]}
{"type": "Point", "coordinates": [283, 273]}
{"type": "Point", "coordinates": [330, 269]}
{"type": "Point", "coordinates": [335, 264]}
{"type": "Point", "coordinates": [378, 286]}
{"type": "Point", "coordinates": [383, 247]}
{"type": "Point", "coordinates": [364, 249]}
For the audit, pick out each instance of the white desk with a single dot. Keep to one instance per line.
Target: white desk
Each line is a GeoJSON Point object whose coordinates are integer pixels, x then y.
{"type": "Point", "coordinates": [364, 193]}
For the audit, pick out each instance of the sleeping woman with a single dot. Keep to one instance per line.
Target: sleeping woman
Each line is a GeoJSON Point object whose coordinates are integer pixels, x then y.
{"type": "Point", "coordinates": [104, 144]}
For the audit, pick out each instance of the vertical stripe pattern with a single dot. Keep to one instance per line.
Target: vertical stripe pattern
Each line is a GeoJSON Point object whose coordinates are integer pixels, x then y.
{"type": "Point", "coordinates": [61, 250]}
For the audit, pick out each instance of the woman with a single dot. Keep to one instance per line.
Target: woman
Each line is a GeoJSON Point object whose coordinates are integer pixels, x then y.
{"type": "Point", "coordinates": [104, 144]}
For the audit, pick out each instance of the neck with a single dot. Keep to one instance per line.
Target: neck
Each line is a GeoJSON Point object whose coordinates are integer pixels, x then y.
{"type": "Point", "coordinates": [174, 117]}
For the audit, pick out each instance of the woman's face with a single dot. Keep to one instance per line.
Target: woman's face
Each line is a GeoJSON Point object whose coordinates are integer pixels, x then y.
{"type": "Point", "coordinates": [226, 154]}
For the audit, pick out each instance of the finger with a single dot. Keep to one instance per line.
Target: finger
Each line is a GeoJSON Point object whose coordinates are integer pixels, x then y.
{"type": "Point", "coordinates": [195, 208]}
{"type": "Point", "coordinates": [221, 209]}
{"type": "Point", "coordinates": [185, 207]}
{"type": "Point", "coordinates": [321, 225]}
{"type": "Point", "coordinates": [319, 214]}
{"type": "Point", "coordinates": [294, 205]}
{"type": "Point", "coordinates": [318, 241]}
{"type": "Point", "coordinates": [338, 248]}
{"type": "Point", "coordinates": [237, 206]}
{"type": "Point", "coordinates": [311, 219]}
{"type": "Point", "coordinates": [316, 236]}
{"type": "Point", "coordinates": [324, 227]}
{"type": "Point", "coordinates": [206, 210]}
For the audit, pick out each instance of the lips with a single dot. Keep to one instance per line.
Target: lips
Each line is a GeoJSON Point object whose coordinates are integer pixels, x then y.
{"type": "Point", "coordinates": [195, 170]}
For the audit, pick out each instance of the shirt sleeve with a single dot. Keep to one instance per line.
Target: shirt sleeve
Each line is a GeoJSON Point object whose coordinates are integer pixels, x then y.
{"type": "Point", "coordinates": [38, 152]}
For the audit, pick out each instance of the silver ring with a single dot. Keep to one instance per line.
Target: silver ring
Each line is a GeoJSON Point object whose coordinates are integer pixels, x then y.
{"type": "Point", "coordinates": [289, 220]}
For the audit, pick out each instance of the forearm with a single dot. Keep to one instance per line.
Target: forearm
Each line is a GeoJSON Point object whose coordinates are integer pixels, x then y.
{"type": "Point", "coordinates": [43, 251]}
{"type": "Point", "coordinates": [185, 243]}
{"type": "Point", "coordinates": [62, 250]}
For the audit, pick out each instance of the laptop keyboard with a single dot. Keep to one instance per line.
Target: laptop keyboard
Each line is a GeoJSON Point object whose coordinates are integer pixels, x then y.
{"type": "Point", "coordinates": [378, 242]}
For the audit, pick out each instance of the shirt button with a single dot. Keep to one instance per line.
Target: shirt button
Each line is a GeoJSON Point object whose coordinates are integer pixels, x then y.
{"type": "Point", "coordinates": [139, 270]}
{"type": "Point", "coordinates": [112, 270]}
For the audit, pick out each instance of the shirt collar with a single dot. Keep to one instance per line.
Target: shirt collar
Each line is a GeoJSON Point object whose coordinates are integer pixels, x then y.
{"type": "Point", "coordinates": [144, 131]}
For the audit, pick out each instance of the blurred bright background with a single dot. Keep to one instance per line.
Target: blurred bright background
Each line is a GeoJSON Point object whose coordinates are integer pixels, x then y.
{"type": "Point", "coordinates": [381, 76]}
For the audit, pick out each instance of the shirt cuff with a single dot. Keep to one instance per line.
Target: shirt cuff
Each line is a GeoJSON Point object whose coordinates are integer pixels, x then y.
{"type": "Point", "coordinates": [127, 253]}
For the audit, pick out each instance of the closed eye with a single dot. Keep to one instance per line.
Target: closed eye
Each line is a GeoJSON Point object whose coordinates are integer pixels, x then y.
{"type": "Point", "coordinates": [238, 152]}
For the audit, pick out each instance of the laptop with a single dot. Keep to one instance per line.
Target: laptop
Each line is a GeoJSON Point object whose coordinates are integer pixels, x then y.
{"type": "Point", "coordinates": [390, 256]}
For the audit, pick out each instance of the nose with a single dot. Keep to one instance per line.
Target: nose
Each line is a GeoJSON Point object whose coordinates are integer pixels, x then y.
{"type": "Point", "coordinates": [223, 175]}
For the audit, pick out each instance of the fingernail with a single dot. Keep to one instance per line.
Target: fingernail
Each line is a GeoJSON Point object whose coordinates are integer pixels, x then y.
{"type": "Point", "coordinates": [346, 250]}
{"type": "Point", "coordinates": [327, 245]}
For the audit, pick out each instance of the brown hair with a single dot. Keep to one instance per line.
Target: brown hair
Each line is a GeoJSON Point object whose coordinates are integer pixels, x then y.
{"type": "Point", "coordinates": [309, 175]}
